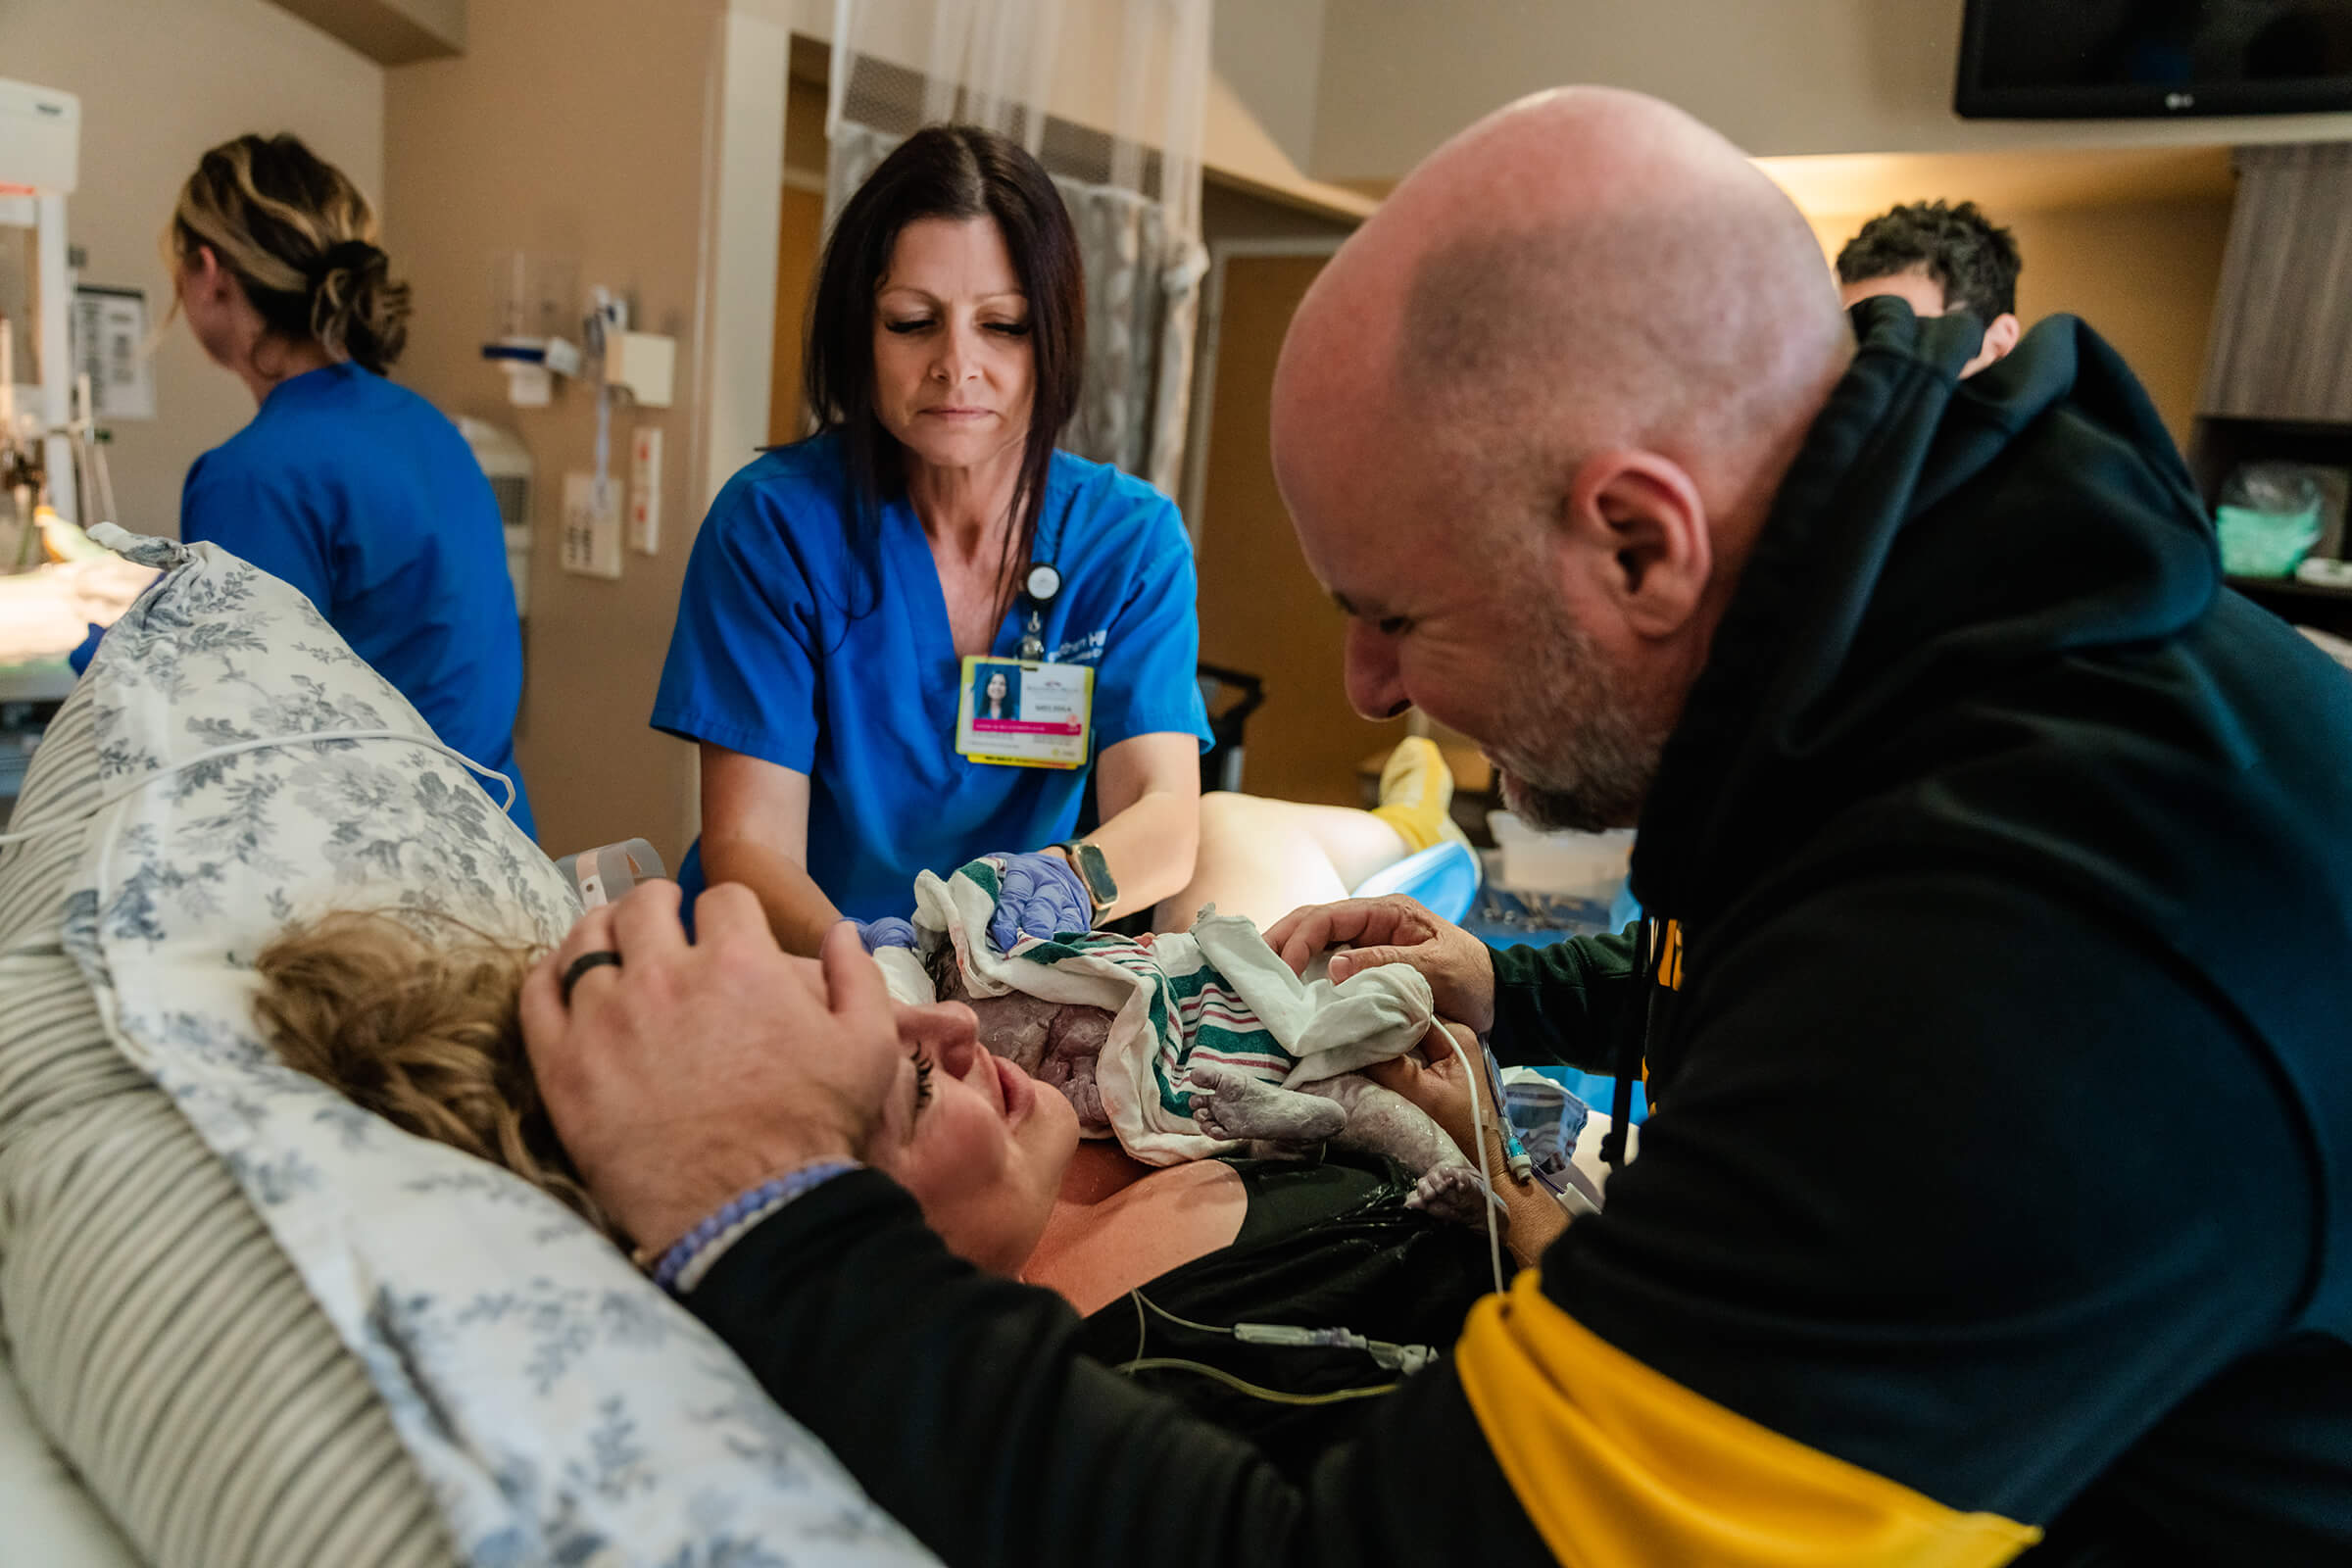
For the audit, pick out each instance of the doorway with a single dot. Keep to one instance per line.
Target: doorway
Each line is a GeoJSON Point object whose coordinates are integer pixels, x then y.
{"type": "Point", "coordinates": [1261, 609]}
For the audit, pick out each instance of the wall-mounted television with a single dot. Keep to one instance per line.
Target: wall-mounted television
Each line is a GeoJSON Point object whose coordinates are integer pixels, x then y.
{"type": "Point", "coordinates": [2079, 58]}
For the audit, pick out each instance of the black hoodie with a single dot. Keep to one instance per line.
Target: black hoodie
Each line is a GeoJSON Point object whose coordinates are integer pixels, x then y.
{"type": "Point", "coordinates": [1997, 1183]}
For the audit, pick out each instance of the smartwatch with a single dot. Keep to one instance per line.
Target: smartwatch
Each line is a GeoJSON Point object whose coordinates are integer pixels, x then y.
{"type": "Point", "coordinates": [1093, 871]}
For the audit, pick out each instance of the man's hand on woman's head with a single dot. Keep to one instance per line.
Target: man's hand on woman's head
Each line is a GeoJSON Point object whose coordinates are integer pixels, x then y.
{"type": "Point", "coordinates": [690, 1072]}
{"type": "Point", "coordinates": [1394, 929]}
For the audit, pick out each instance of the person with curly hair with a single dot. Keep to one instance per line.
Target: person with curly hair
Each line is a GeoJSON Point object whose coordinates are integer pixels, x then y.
{"type": "Point", "coordinates": [1939, 258]}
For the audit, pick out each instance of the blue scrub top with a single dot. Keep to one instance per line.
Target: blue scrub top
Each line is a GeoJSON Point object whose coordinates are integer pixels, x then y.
{"type": "Point", "coordinates": [785, 650]}
{"type": "Point", "coordinates": [364, 497]}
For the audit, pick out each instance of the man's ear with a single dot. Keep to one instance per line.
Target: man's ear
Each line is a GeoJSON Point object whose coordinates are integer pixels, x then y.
{"type": "Point", "coordinates": [2000, 338]}
{"type": "Point", "coordinates": [1644, 532]}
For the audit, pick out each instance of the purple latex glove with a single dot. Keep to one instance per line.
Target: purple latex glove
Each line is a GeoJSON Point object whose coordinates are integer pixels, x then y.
{"type": "Point", "coordinates": [1038, 895]}
{"type": "Point", "coordinates": [888, 932]}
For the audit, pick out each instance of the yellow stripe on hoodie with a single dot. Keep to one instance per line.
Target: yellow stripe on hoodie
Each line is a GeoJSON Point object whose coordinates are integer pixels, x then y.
{"type": "Point", "coordinates": [1618, 1464]}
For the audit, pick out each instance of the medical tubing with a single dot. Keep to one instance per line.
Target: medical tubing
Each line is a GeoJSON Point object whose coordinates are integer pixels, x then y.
{"type": "Point", "coordinates": [1142, 1301]}
{"type": "Point", "coordinates": [1170, 1363]}
{"type": "Point", "coordinates": [604, 434]}
{"type": "Point", "coordinates": [1407, 1358]}
{"type": "Point", "coordinates": [1478, 1135]}
{"type": "Point", "coordinates": [36, 829]}
{"type": "Point", "coordinates": [1515, 1156]}
{"type": "Point", "coordinates": [1384, 1354]}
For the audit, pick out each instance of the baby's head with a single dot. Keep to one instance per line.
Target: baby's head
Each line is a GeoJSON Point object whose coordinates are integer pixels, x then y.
{"type": "Point", "coordinates": [1028, 1031]}
{"type": "Point", "coordinates": [413, 1015]}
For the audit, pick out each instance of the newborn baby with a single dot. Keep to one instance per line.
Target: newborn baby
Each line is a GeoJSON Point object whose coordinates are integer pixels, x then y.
{"type": "Point", "coordinates": [1061, 1044]}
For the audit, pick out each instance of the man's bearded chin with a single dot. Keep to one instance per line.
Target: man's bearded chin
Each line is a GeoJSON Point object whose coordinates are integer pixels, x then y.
{"type": "Point", "coordinates": [1600, 785]}
{"type": "Point", "coordinates": [1585, 752]}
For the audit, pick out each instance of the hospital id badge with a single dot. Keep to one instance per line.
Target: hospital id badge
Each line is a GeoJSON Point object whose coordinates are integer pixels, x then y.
{"type": "Point", "coordinates": [1023, 715]}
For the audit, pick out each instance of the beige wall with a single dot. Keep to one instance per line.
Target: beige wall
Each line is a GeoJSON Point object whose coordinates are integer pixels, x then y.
{"type": "Point", "coordinates": [1790, 76]}
{"type": "Point", "coordinates": [2144, 275]}
{"type": "Point", "coordinates": [160, 81]}
{"type": "Point", "coordinates": [1270, 52]}
{"type": "Point", "coordinates": [573, 128]}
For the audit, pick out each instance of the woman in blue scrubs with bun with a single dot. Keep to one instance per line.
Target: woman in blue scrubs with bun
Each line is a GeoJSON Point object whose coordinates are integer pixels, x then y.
{"type": "Point", "coordinates": [838, 585]}
{"type": "Point", "coordinates": [358, 491]}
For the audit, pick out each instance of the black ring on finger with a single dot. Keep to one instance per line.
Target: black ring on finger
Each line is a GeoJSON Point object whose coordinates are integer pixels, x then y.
{"type": "Point", "coordinates": [582, 964]}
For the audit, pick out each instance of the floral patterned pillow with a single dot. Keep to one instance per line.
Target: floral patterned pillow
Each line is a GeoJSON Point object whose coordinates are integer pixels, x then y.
{"type": "Point", "coordinates": [253, 772]}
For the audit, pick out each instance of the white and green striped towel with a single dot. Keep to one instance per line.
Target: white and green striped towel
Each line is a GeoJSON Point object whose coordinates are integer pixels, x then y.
{"type": "Point", "coordinates": [1217, 994]}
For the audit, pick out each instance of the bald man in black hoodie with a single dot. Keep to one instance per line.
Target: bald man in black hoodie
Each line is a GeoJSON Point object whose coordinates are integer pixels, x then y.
{"type": "Point", "coordinates": [1997, 1202]}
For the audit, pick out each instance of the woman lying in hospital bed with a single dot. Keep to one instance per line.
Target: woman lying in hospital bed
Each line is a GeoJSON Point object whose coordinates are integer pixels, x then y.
{"type": "Point", "coordinates": [416, 1019]}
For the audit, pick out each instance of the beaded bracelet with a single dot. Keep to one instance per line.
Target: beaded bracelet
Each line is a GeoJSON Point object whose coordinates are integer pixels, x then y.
{"type": "Point", "coordinates": [690, 1257]}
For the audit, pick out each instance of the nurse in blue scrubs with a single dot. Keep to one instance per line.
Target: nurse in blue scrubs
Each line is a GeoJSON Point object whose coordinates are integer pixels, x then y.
{"type": "Point", "coordinates": [356, 491]}
{"type": "Point", "coordinates": [838, 584]}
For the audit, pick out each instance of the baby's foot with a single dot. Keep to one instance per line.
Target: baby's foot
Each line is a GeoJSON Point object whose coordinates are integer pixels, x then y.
{"type": "Point", "coordinates": [1452, 1192]}
{"type": "Point", "coordinates": [1233, 1106]}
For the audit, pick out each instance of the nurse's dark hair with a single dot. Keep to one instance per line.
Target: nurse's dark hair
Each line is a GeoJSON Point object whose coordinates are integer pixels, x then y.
{"type": "Point", "coordinates": [951, 172]}
{"type": "Point", "coordinates": [301, 240]}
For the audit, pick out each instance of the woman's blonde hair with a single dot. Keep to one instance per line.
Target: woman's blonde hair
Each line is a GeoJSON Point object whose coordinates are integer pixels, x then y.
{"type": "Point", "coordinates": [301, 240]}
{"type": "Point", "coordinates": [413, 1015]}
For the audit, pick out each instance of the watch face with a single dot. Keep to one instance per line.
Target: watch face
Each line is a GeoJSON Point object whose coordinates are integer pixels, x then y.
{"type": "Point", "coordinates": [1095, 871]}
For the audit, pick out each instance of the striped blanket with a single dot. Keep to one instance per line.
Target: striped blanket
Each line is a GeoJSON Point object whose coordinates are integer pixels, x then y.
{"type": "Point", "coordinates": [1217, 994]}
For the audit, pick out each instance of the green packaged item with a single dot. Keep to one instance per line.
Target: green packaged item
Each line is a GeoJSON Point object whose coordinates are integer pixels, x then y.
{"type": "Point", "coordinates": [2269, 517]}
{"type": "Point", "coordinates": [2266, 544]}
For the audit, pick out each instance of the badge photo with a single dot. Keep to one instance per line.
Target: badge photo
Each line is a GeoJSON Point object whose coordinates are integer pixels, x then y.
{"type": "Point", "coordinates": [1023, 713]}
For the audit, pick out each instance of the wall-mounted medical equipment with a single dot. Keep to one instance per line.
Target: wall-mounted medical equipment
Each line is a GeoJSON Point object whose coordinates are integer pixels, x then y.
{"type": "Point", "coordinates": [507, 464]}
{"type": "Point", "coordinates": [41, 142]}
{"type": "Point", "coordinates": [637, 369]}
{"type": "Point", "coordinates": [542, 332]}
{"type": "Point", "coordinates": [534, 309]}
{"type": "Point", "coordinates": [536, 315]}
{"type": "Point", "coordinates": [110, 349]}
{"type": "Point", "coordinates": [643, 364]}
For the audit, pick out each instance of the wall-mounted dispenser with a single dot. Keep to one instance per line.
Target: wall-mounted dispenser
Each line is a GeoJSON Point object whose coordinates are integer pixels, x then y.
{"type": "Point", "coordinates": [535, 307]}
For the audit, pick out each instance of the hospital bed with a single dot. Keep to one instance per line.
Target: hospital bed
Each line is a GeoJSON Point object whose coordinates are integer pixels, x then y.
{"type": "Point", "coordinates": [51, 1519]}
{"type": "Point", "coordinates": [180, 1227]}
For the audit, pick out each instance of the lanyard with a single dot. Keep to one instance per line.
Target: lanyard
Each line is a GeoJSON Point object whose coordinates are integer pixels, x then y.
{"type": "Point", "coordinates": [1039, 586]}
{"type": "Point", "coordinates": [1041, 583]}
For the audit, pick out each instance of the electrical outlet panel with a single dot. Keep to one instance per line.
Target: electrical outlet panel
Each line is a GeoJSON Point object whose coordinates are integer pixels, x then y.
{"type": "Point", "coordinates": [645, 490]}
{"type": "Point", "coordinates": [591, 525]}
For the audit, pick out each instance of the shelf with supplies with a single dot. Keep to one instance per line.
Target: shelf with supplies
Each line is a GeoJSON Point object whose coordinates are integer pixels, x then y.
{"type": "Point", "coordinates": [2259, 589]}
{"type": "Point", "coordinates": [2302, 604]}
{"type": "Point", "coordinates": [2224, 443]}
